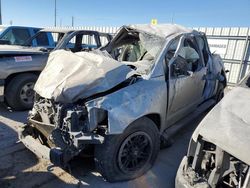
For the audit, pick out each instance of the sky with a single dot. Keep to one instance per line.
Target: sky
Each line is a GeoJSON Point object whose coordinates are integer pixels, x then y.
{"type": "Point", "coordinates": [190, 13]}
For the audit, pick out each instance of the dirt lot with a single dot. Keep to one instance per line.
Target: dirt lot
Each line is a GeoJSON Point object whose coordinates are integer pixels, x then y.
{"type": "Point", "coordinates": [21, 168]}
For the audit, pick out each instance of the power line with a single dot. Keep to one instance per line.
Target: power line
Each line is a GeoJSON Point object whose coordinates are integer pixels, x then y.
{"type": "Point", "coordinates": [1, 13]}
{"type": "Point", "coordinates": [72, 21]}
{"type": "Point", "coordinates": [172, 19]}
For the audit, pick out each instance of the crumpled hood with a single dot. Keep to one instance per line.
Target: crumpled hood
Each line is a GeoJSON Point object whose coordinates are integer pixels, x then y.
{"type": "Point", "coordinates": [228, 124]}
{"type": "Point", "coordinates": [15, 49]}
{"type": "Point", "coordinates": [69, 76]}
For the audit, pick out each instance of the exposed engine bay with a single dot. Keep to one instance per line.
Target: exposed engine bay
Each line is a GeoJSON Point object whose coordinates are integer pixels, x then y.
{"type": "Point", "coordinates": [54, 119]}
{"type": "Point", "coordinates": [213, 167]}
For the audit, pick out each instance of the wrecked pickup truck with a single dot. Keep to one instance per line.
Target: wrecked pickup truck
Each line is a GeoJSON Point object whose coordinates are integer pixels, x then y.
{"type": "Point", "coordinates": [218, 154]}
{"type": "Point", "coordinates": [21, 65]}
{"type": "Point", "coordinates": [122, 100]}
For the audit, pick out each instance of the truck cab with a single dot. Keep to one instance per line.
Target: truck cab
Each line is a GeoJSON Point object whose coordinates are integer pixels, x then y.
{"type": "Point", "coordinates": [17, 35]}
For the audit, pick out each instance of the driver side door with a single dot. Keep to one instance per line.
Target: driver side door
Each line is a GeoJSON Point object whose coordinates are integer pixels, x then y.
{"type": "Point", "coordinates": [186, 80]}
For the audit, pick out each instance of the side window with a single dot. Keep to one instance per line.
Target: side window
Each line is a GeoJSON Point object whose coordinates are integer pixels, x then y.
{"type": "Point", "coordinates": [82, 42]}
{"type": "Point", "coordinates": [187, 59]}
{"type": "Point", "coordinates": [89, 42]}
{"type": "Point", "coordinates": [17, 36]}
{"type": "Point", "coordinates": [104, 40]}
{"type": "Point", "coordinates": [71, 44]}
{"type": "Point", "coordinates": [57, 37]}
{"type": "Point", "coordinates": [172, 49]}
{"type": "Point", "coordinates": [204, 48]}
{"type": "Point", "coordinates": [42, 39]}
{"type": "Point", "coordinates": [36, 30]}
{"type": "Point", "coordinates": [190, 52]}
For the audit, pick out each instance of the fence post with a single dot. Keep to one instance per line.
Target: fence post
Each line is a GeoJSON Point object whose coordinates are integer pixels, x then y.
{"type": "Point", "coordinates": [243, 57]}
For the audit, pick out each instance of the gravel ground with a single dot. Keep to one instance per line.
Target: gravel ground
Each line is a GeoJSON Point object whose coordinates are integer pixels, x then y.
{"type": "Point", "coordinates": [21, 168]}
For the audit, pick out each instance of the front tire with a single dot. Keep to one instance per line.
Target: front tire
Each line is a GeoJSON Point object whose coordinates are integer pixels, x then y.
{"type": "Point", "coordinates": [128, 155]}
{"type": "Point", "coordinates": [19, 92]}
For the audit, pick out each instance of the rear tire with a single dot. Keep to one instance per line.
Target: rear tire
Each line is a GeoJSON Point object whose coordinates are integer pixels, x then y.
{"type": "Point", "coordinates": [19, 92]}
{"type": "Point", "coordinates": [128, 155]}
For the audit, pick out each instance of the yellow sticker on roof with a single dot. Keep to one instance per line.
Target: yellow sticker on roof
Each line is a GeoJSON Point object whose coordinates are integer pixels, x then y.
{"type": "Point", "coordinates": [154, 21]}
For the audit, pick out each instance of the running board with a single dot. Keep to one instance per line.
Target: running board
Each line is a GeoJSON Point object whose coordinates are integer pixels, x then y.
{"type": "Point", "coordinates": [175, 128]}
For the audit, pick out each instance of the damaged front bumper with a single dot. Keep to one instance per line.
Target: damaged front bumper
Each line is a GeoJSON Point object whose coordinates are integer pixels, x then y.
{"type": "Point", "coordinates": [60, 154]}
{"type": "Point", "coordinates": [180, 181]}
{"type": "Point", "coordinates": [207, 165]}
{"type": "Point", "coordinates": [186, 179]}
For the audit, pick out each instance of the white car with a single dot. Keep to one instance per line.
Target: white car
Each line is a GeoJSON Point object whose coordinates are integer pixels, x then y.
{"type": "Point", "coordinates": [219, 150]}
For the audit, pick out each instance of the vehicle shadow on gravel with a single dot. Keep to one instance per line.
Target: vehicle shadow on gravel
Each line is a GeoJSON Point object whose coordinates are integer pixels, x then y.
{"type": "Point", "coordinates": [8, 137]}
{"type": "Point", "coordinates": [18, 116]}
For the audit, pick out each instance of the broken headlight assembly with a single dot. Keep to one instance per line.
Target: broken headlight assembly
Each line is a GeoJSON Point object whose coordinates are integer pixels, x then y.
{"type": "Point", "coordinates": [66, 119]}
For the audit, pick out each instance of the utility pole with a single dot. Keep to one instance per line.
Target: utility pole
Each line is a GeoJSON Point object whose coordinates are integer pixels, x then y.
{"type": "Point", "coordinates": [1, 13]}
{"type": "Point", "coordinates": [172, 20]}
{"type": "Point", "coordinates": [55, 14]}
{"type": "Point", "coordinates": [72, 21]}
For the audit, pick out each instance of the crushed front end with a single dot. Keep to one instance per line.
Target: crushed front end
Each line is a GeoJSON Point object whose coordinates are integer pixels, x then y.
{"type": "Point", "coordinates": [207, 165]}
{"type": "Point", "coordinates": [59, 132]}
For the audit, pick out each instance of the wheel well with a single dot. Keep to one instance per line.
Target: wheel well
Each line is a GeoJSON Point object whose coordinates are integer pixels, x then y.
{"type": "Point", "coordinates": [225, 78]}
{"type": "Point", "coordinates": [10, 77]}
{"type": "Point", "coordinates": [156, 119]}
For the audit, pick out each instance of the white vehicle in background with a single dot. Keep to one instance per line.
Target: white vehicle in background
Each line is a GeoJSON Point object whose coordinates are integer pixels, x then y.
{"type": "Point", "coordinates": [219, 150]}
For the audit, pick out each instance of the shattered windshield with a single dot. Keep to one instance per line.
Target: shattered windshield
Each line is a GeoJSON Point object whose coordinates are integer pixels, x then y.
{"type": "Point", "coordinates": [138, 50]}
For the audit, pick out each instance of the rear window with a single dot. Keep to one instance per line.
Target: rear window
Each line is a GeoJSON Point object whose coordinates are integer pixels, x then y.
{"type": "Point", "coordinates": [17, 36]}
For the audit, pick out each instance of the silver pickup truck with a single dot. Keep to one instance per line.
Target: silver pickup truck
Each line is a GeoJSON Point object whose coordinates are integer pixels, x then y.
{"type": "Point", "coordinates": [21, 65]}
